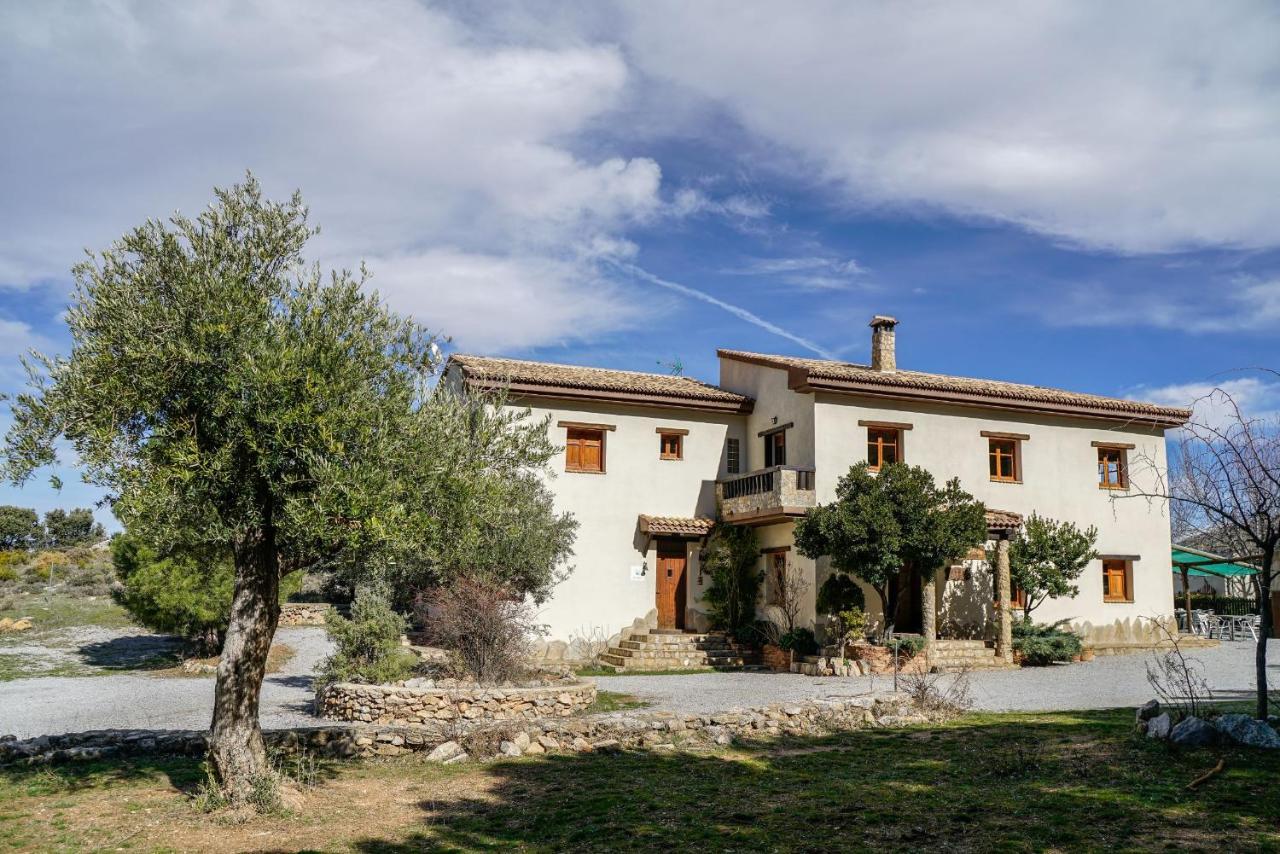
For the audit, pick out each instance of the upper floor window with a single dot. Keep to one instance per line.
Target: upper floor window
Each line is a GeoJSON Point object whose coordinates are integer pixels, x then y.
{"type": "Point", "coordinates": [584, 447]}
{"type": "Point", "coordinates": [1112, 466]}
{"type": "Point", "coordinates": [732, 456]}
{"type": "Point", "coordinates": [884, 446]}
{"type": "Point", "coordinates": [884, 442]}
{"type": "Point", "coordinates": [1117, 580]}
{"type": "Point", "coordinates": [1004, 456]}
{"type": "Point", "coordinates": [775, 449]}
{"type": "Point", "coordinates": [671, 443]}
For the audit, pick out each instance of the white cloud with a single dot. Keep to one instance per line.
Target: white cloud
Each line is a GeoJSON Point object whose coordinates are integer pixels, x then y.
{"type": "Point", "coordinates": [1214, 403]}
{"type": "Point", "coordinates": [1239, 304]}
{"type": "Point", "coordinates": [413, 140]}
{"type": "Point", "coordinates": [492, 303]}
{"type": "Point", "coordinates": [1134, 127]}
{"type": "Point", "coordinates": [808, 272]}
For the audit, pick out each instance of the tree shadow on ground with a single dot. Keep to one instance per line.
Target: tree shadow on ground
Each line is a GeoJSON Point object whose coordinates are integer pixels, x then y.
{"type": "Point", "coordinates": [1068, 781]}
{"type": "Point", "coordinates": [134, 652]}
{"type": "Point", "coordinates": [184, 774]}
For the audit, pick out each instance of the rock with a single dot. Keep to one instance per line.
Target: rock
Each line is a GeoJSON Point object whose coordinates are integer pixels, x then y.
{"type": "Point", "coordinates": [461, 757]}
{"type": "Point", "coordinates": [1141, 727]}
{"type": "Point", "coordinates": [521, 740]}
{"type": "Point", "coordinates": [509, 748]}
{"type": "Point", "coordinates": [444, 752]}
{"type": "Point", "coordinates": [1148, 710]}
{"type": "Point", "coordinates": [534, 749]}
{"type": "Point", "coordinates": [1193, 732]}
{"type": "Point", "coordinates": [608, 745]}
{"type": "Point", "coordinates": [1159, 726]}
{"type": "Point", "coordinates": [548, 743]}
{"type": "Point", "coordinates": [724, 739]}
{"type": "Point", "coordinates": [581, 745]}
{"type": "Point", "coordinates": [1245, 730]}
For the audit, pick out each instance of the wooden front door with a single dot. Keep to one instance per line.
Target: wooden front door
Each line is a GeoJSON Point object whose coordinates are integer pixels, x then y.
{"type": "Point", "coordinates": [671, 584]}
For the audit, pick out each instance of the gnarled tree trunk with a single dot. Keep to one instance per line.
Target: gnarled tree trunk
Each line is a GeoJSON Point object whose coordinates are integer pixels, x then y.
{"type": "Point", "coordinates": [1262, 581]}
{"type": "Point", "coordinates": [236, 748]}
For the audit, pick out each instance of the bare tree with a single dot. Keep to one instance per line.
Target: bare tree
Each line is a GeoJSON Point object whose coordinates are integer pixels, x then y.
{"type": "Point", "coordinates": [786, 605]}
{"type": "Point", "coordinates": [1224, 485]}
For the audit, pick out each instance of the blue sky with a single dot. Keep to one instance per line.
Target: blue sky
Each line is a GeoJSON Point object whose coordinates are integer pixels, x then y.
{"type": "Point", "coordinates": [1077, 195]}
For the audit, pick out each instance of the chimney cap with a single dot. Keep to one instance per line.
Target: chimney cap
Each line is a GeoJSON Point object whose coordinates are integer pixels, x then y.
{"type": "Point", "coordinates": [883, 320]}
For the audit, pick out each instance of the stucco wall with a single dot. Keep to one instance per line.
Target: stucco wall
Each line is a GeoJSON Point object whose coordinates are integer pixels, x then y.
{"type": "Point", "coordinates": [1059, 479]}
{"type": "Point", "coordinates": [775, 405]}
{"type": "Point", "coordinates": [600, 592]}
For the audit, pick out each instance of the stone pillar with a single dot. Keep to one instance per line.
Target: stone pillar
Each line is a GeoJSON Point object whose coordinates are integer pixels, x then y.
{"type": "Point", "coordinates": [1004, 608]}
{"type": "Point", "coordinates": [929, 609]}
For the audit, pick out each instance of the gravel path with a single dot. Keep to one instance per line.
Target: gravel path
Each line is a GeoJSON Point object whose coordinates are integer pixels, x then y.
{"type": "Point", "coordinates": [43, 706]}
{"type": "Point", "coordinates": [30, 707]}
{"type": "Point", "coordinates": [1103, 683]}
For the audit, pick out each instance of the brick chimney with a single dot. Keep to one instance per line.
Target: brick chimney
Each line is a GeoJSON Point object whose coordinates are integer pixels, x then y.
{"type": "Point", "coordinates": [882, 355]}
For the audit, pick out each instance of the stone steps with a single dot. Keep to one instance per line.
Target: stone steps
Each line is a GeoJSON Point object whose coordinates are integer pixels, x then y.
{"type": "Point", "coordinates": [668, 649]}
{"type": "Point", "coordinates": [950, 656]}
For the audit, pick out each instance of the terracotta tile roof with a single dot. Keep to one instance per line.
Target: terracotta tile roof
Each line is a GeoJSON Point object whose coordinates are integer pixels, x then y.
{"type": "Point", "coordinates": [696, 526]}
{"type": "Point", "coordinates": [549, 379]}
{"type": "Point", "coordinates": [820, 374]}
{"type": "Point", "coordinates": [1003, 520]}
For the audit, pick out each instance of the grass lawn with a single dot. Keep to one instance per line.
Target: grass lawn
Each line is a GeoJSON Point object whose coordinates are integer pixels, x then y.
{"type": "Point", "coordinates": [61, 611]}
{"type": "Point", "coordinates": [612, 701]}
{"type": "Point", "coordinates": [1013, 782]}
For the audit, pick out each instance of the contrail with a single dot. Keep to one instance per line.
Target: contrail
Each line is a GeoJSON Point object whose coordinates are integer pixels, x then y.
{"type": "Point", "coordinates": [736, 311]}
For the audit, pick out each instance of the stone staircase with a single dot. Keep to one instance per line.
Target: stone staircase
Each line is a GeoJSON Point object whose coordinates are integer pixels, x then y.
{"type": "Point", "coordinates": [673, 649]}
{"type": "Point", "coordinates": [951, 656]}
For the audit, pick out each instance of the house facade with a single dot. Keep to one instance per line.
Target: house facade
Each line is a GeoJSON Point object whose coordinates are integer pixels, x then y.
{"type": "Point", "coordinates": [650, 461]}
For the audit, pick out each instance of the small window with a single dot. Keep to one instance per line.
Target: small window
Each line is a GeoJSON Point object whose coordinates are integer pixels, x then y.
{"type": "Point", "coordinates": [1002, 455]}
{"type": "Point", "coordinates": [884, 446]}
{"type": "Point", "coordinates": [732, 456]}
{"type": "Point", "coordinates": [671, 446]}
{"type": "Point", "coordinates": [1117, 580]}
{"type": "Point", "coordinates": [1017, 598]}
{"type": "Point", "coordinates": [775, 449]}
{"type": "Point", "coordinates": [1112, 472]}
{"type": "Point", "coordinates": [584, 450]}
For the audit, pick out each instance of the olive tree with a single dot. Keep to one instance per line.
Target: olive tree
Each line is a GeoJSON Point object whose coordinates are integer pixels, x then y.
{"type": "Point", "coordinates": [883, 521]}
{"type": "Point", "coordinates": [230, 397]}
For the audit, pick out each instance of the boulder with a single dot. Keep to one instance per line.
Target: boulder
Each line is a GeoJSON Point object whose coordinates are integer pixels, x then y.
{"type": "Point", "coordinates": [445, 752]}
{"type": "Point", "coordinates": [509, 748]}
{"type": "Point", "coordinates": [1245, 730]}
{"type": "Point", "coordinates": [1160, 726]}
{"type": "Point", "coordinates": [1148, 710]}
{"type": "Point", "coordinates": [1193, 732]}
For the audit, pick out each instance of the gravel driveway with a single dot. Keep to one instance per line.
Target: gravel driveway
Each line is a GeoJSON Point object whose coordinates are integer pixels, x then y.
{"type": "Point", "coordinates": [30, 707]}
{"type": "Point", "coordinates": [45, 706]}
{"type": "Point", "coordinates": [1102, 683]}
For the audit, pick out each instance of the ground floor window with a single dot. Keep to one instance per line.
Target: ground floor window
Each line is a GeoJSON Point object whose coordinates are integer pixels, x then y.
{"type": "Point", "coordinates": [1117, 580]}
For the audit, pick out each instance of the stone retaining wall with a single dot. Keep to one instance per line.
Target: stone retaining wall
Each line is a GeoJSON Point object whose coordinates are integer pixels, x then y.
{"type": "Point", "coordinates": [439, 708]}
{"type": "Point", "coordinates": [303, 613]}
{"type": "Point", "coordinates": [616, 731]}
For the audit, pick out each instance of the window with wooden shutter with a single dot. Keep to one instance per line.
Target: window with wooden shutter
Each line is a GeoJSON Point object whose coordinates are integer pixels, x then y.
{"type": "Point", "coordinates": [1002, 456]}
{"type": "Point", "coordinates": [584, 450]}
{"type": "Point", "coordinates": [1117, 580]}
{"type": "Point", "coordinates": [1111, 468]}
{"type": "Point", "coordinates": [671, 446]}
{"type": "Point", "coordinates": [884, 446]}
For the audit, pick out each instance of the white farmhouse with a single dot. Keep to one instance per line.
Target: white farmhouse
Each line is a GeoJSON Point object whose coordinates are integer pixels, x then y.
{"type": "Point", "coordinates": [649, 461]}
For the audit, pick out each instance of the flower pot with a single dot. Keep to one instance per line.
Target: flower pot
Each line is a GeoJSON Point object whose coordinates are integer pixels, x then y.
{"type": "Point", "coordinates": [1086, 655]}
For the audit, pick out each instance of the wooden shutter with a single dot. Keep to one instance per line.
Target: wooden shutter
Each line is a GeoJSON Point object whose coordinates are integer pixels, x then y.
{"type": "Point", "coordinates": [584, 450]}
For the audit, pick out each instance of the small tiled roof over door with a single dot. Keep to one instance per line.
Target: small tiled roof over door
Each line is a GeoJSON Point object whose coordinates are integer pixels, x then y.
{"type": "Point", "coordinates": [676, 526]}
{"type": "Point", "coordinates": [1003, 520]}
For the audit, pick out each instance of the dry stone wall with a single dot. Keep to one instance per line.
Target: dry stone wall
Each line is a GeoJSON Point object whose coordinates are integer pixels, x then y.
{"type": "Point", "coordinates": [303, 613]}
{"type": "Point", "coordinates": [443, 709]}
{"type": "Point", "coordinates": [639, 730]}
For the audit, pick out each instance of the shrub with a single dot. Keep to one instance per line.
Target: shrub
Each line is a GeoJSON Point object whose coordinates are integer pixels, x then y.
{"type": "Point", "coordinates": [800, 641]}
{"type": "Point", "coordinates": [732, 558]}
{"type": "Point", "coordinates": [485, 627]}
{"type": "Point", "coordinates": [908, 646]}
{"type": "Point", "coordinates": [186, 595]}
{"type": "Point", "coordinates": [367, 646]}
{"type": "Point", "coordinates": [840, 593]}
{"type": "Point", "coordinates": [851, 625]}
{"type": "Point", "coordinates": [1041, 645]}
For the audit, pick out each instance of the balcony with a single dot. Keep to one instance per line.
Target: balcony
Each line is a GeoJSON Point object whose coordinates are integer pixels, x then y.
{"type": "Point", "coordinates": [769, 495]}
